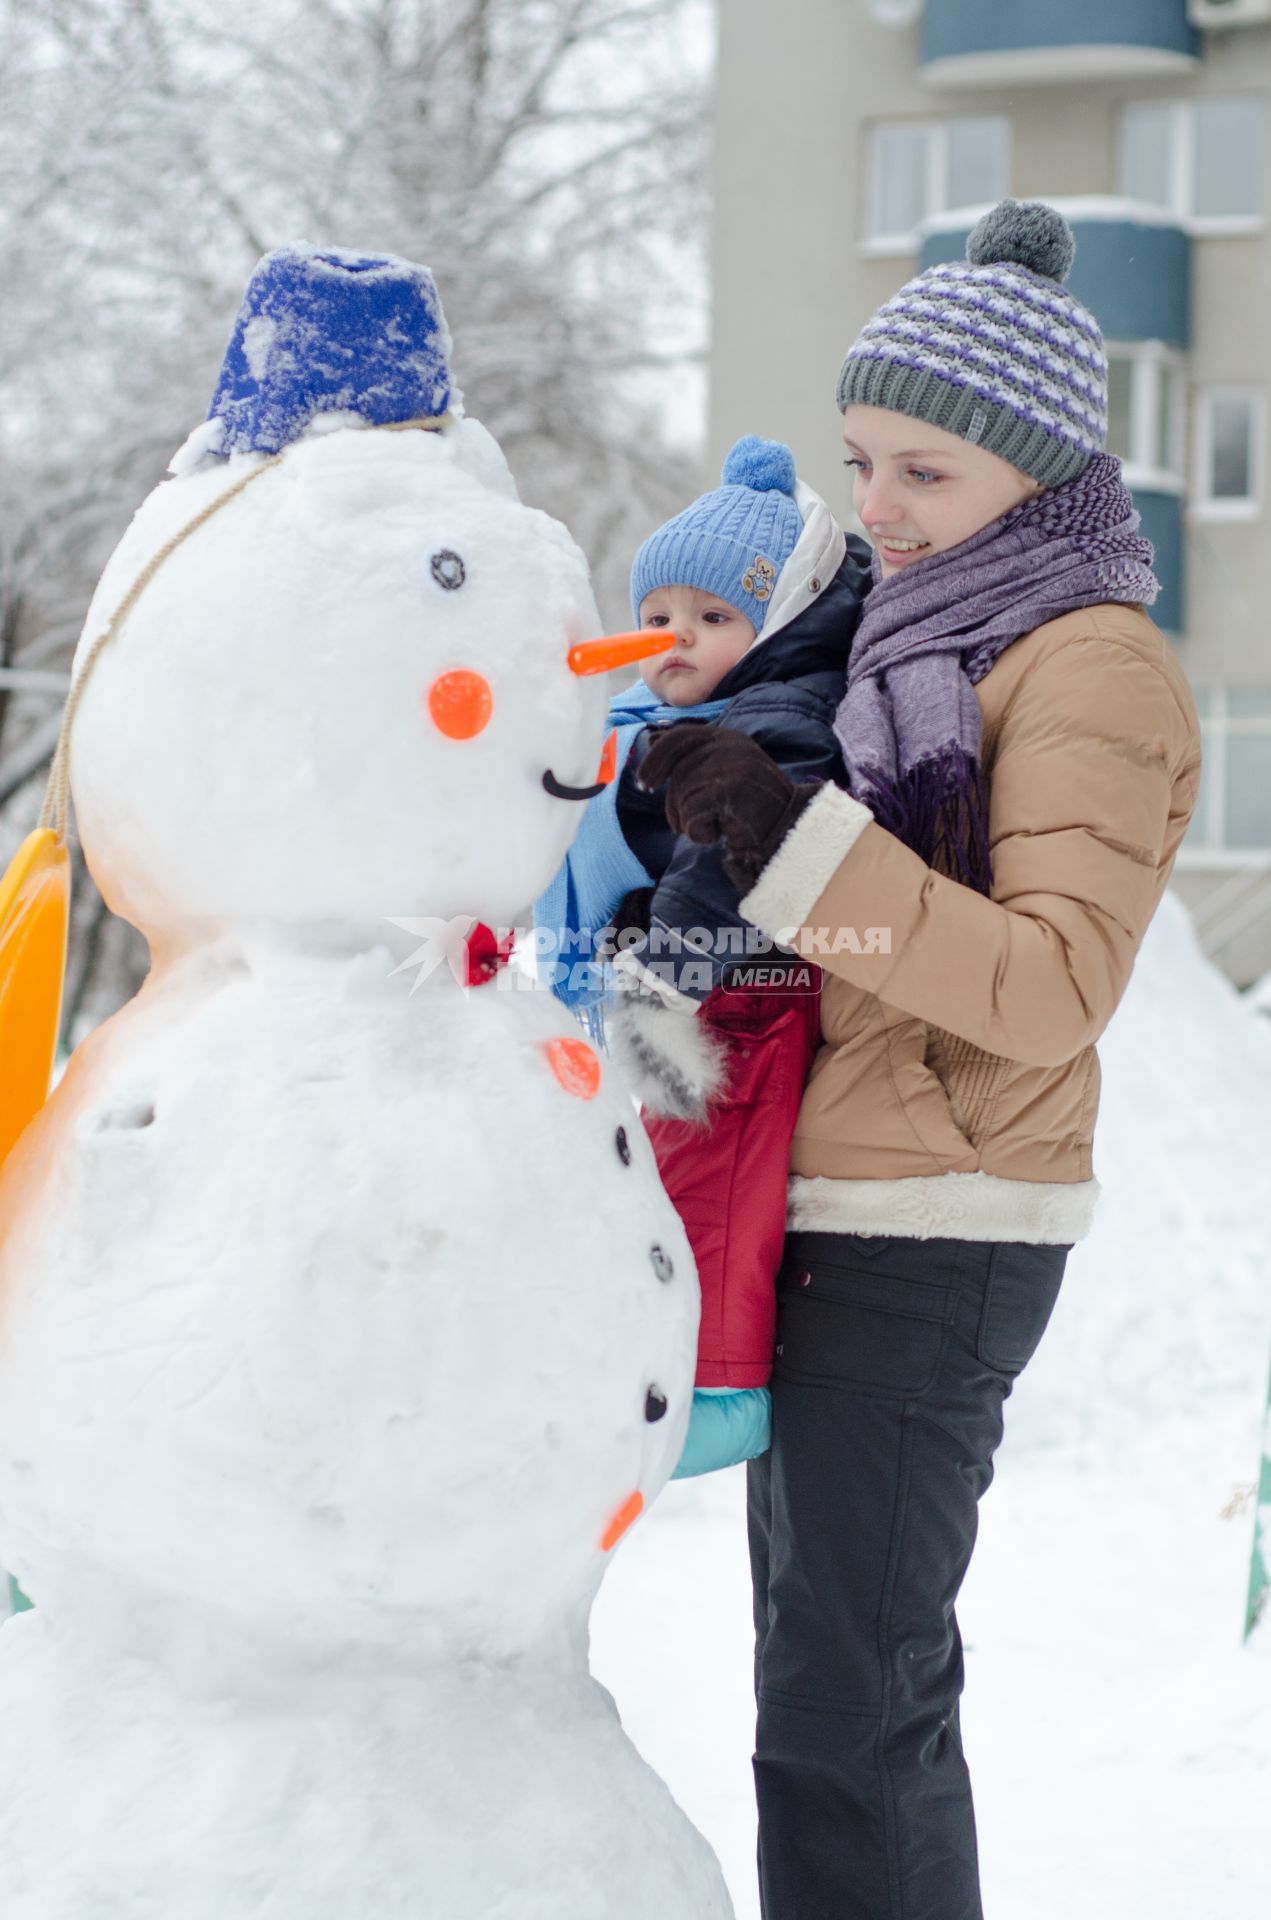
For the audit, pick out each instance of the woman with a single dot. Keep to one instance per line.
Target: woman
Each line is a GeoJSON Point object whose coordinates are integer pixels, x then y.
{"type": "Point", "coordinates": [1024, 757]}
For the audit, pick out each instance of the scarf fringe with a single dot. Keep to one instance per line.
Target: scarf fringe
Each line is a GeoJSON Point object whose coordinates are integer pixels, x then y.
{"type": "Point", "coordinates": [1072, 546]}
{"type": "Point", "coordinates": [939, 807]}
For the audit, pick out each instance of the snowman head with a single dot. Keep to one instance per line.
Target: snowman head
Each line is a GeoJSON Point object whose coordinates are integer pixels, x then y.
{"type": "Point", "coordinates": [345, 692]}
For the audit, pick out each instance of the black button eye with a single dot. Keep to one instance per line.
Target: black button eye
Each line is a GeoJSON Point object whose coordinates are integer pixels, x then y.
{"type": "Point", "coordinates": [447, 569]}
{"type": "Point", "coordinates": [623, 1145]}
{"type": "Point", "coordinates": [655, 1404]}
{"type": "Point", "coordinates": [661, 1263]}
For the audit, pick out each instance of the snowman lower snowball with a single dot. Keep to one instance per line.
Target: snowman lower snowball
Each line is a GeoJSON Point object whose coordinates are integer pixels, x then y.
{"type": "Point", "coordinates": [345, 1326]}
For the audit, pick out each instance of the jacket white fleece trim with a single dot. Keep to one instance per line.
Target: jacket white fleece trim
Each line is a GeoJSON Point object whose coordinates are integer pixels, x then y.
{"type": "Point", "coordinates": [817, 557]}
{"type": "Point", "coordinates": [805, 862]}
{"type": "Point", "coordinates": [946, 1206]}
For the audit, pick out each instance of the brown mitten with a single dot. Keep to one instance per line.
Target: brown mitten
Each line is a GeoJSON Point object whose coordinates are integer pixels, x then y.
{"type": "Point", "coordinates": [722, 786]}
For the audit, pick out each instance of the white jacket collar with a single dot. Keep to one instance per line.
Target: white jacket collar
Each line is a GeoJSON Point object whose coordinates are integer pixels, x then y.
{"type": "Point", "coordinates": [817, 557]}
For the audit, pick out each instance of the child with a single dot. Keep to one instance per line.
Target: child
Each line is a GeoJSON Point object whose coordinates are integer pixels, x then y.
{"type": "Point", "coordinates": [763, 591]}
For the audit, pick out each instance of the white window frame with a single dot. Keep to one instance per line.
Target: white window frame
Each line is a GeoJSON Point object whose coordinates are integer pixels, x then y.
{"type": "Point", "coordinates": [1182, 142]}
{"type": "Point", "coordinates": [884, 245]}
{"type": "Point", "coordinates": [1151, 362]}
{"type": "Point", "coordinates": [1216, 728]}
{"type": "Point", "coordinates": [1203, 505]}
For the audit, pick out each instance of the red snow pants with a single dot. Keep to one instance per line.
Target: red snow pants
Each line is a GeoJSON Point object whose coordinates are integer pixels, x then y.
{"type": "Point", "coordinates": [727, 1178]}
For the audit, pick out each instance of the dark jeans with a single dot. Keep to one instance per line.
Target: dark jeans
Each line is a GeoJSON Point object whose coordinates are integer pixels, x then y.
{"type": "Point", "coordinates": [894, 1359]}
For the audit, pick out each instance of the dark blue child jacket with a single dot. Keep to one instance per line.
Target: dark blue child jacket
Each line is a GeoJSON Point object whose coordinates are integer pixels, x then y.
{"type": "Point", "coordinates": [784, 693]}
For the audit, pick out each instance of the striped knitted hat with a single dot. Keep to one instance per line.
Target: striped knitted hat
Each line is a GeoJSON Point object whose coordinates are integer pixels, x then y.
{"type": "Point", "coordinates": [993, 348]}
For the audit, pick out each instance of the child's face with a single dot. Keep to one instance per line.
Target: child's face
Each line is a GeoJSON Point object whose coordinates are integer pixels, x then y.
{"type": "Point", "coordinates": [918, 490]}
{"type": "Point", "coordinates": [710, 637]}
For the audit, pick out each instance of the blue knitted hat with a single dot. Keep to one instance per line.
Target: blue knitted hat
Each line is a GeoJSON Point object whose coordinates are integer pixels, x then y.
{"type": "Point", "coordinates": [731, 543]}
{"type": "Point", "coordinates": [322, 330]}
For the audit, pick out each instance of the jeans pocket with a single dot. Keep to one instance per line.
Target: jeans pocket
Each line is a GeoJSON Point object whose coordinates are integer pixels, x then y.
{"type": "Point", "coordinates": [865, 1330]}
{"type": "Point", "coordinates": [1019, 1298]}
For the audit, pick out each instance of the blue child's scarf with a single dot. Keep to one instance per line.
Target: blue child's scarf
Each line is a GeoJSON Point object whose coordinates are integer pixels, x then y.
{"type": "Point", "coordinates": [600, 867]}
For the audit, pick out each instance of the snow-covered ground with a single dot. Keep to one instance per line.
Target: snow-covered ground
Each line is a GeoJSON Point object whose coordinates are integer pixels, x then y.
{"type": "Point", "coordinates": [1119, 1735]}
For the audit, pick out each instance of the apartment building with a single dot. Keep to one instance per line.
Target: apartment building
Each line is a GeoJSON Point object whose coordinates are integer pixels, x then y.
{"type": "Point", "coordinates": [858, 141]}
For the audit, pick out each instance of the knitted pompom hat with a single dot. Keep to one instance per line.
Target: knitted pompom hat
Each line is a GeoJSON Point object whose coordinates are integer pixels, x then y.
{"type": "Point", "coordinates": [731, 543]}
{"type": "Point", "coordinates": [994, 348]}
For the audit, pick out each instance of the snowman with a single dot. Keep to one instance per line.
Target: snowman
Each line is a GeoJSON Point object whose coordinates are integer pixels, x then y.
{"type": "Point", "coordinates": [344, 1326]}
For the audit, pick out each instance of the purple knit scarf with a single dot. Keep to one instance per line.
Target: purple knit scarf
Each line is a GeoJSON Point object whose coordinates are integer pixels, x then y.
{"type": "Point", "coordinates": [909, 722]}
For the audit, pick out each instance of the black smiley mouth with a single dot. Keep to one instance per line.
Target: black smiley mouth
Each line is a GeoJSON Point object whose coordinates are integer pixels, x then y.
{"type": "Point", "coordinates": [559, 791]}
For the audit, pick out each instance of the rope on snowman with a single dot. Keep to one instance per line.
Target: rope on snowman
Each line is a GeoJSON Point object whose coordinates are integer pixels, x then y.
{"type": "Point", "coordinates": [55, 810]}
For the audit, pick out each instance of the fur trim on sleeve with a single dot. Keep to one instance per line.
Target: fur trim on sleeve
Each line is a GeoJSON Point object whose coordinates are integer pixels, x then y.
{"type": "Point", "coordinates": [806, 861]}
{"type": "Point", "coordinates": [671, 1060]}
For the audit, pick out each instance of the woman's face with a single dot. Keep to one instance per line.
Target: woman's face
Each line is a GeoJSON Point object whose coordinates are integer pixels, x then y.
{"type": "Point", "coordinates": [919, 490]}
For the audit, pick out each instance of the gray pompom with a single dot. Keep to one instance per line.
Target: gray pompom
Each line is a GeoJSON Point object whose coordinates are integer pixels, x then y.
{"type": "Point", "coordinates": [1025, 233]}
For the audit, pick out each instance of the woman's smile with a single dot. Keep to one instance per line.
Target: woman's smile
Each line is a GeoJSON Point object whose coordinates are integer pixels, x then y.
{"type": "Point", "coordinates": [900, 553]}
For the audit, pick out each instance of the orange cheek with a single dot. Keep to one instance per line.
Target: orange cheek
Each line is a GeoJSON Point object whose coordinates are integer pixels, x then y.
{"type": "Point", "coordinates": [460, 704]}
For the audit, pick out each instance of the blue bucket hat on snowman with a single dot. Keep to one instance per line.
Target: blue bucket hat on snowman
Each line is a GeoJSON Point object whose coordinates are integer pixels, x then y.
{"type": "Point", "coordinates": [731, 543]}
{"type": "Point", "coordinates": [322, 330]}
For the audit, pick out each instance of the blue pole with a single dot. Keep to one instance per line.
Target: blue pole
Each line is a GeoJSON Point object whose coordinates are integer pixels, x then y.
{"type": "Point", "coordinates": [18, 1602]}
{"type": "Point", "coordinates": [1260, 1565]}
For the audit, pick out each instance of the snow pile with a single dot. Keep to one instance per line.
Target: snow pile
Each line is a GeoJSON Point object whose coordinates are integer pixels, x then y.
{"type": "Point", "coordinates": [1164, 1322]}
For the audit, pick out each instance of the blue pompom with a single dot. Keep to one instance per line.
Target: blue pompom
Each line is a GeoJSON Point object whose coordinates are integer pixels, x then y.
{"type": "Point", "coordinates": [325, 330]}
{"type": "Point", "coordinates": [767, 466]}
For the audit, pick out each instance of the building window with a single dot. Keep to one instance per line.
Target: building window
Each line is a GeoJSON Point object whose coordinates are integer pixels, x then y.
{"type": "Point", "coordinates": [1146, 393]}
{"type": "Point", "coordinates": [1233, 812]}
{"type": "Point", "coordinates": [1230, 432]}
{"type": "Point", "coordinates": [1200, 160]}
{"type": "Point", "coordinates": [918, 168]}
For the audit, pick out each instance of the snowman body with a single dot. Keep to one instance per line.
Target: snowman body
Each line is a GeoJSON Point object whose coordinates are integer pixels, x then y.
{"type": "Point", "coordinates": [341, 1326]}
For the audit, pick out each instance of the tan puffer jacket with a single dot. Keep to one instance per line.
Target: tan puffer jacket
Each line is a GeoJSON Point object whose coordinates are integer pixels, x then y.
{"type": "Point", "coordinates": [956, 1088]}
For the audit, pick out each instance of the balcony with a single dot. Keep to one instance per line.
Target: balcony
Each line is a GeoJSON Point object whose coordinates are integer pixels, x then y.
{"type": "Point", "coordinates": [983, 43]}
{"type": "Point", "coordinates": [1133, 267]}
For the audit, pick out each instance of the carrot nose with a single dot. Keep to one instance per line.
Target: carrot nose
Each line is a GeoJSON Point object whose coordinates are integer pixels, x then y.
{"type": "Point", "coordinates": [619, 650]}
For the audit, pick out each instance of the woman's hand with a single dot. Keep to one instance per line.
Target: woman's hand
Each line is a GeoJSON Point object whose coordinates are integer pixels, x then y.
{"type": "Point", "coordinates": [722, 786]}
